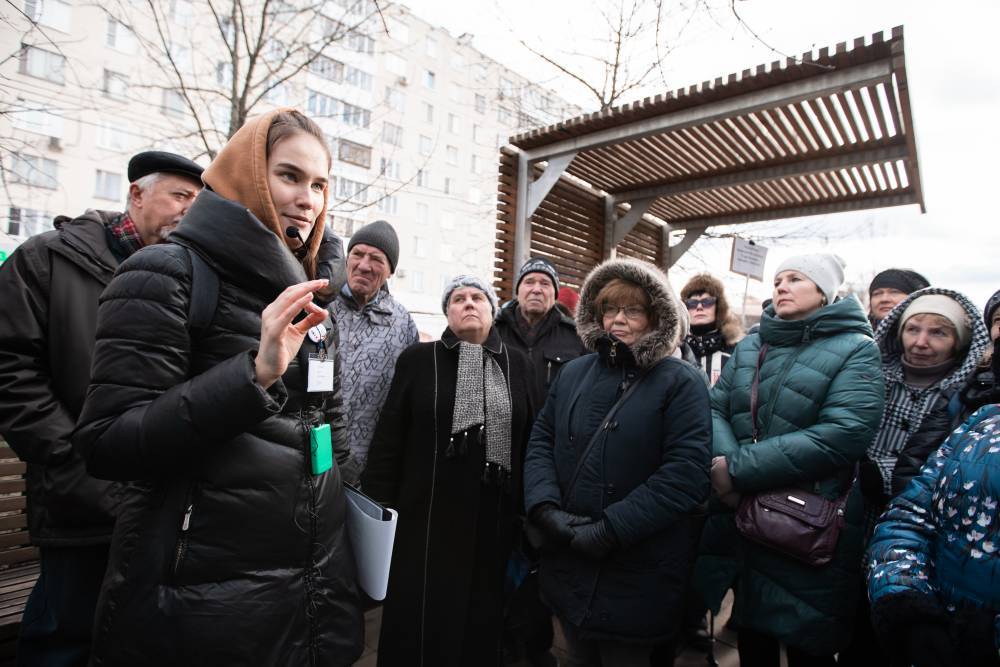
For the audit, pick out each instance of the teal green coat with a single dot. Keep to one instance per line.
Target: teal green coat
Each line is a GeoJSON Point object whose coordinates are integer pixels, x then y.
{"type": "Point", "coordinates": [820, 401]}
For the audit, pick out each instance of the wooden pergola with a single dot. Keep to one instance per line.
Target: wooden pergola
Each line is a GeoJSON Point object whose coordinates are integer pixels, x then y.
{"type": "Point", "coordinates": [824, 133]}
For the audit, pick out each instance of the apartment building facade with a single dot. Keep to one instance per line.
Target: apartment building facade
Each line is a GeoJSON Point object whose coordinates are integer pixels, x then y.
{"type": "Point", "coordinates": [414, 116]}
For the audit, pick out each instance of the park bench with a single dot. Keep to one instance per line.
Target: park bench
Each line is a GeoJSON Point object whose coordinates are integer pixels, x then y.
{"type": "Point", "coordinates": [18, 559]}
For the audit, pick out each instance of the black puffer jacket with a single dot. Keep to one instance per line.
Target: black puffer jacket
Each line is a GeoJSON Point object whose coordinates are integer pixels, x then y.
{"type": "Point", "coordinates": [555, 343]}
{"type": "Point", "coordinates": [229, 551]}
{"type": "Point", "coordinates": [49, 290]}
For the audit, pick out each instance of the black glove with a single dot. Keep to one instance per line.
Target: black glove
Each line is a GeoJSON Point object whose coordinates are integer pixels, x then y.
{"type": "Point", "coordinates": [974, 637]}
{"type": "Point", "coordinates": [594, 540]}
{"type": "Point", "coordinates": [929, 644]}
{"type": "Point", "coordinates": [555, 524]}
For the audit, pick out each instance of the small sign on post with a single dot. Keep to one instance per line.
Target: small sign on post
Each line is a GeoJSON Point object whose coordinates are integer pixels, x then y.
{"type": "Point", "coordinates": [747, 258]}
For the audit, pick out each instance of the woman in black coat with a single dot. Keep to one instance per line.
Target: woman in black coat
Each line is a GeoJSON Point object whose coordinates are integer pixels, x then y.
{"type": "Point", "coordinates": [230, 547]}
{"type": "Point", "coordinates": [614, 494]}
{"type": "Point", "coordinates": [447, 454]}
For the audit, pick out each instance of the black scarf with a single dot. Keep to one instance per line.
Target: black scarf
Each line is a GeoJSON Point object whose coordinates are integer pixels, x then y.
{"type": "Point", "coordinates": [706, 343]}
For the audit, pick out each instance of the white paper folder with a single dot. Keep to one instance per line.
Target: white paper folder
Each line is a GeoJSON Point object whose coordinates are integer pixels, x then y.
{"type": "Point", "coordinates": [372, 529]}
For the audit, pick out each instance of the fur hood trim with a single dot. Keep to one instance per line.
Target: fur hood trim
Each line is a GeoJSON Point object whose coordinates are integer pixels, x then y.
{"type": "Point", "coordinates": [731, 330]}
{"type": "Point", "coordinates": [665, 306]}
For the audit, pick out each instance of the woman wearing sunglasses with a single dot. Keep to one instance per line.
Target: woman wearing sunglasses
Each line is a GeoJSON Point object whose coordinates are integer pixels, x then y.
{"type": "Point", "coordinates": [714, 330]}
{"type": "Point", "coordinates": [616, 465]}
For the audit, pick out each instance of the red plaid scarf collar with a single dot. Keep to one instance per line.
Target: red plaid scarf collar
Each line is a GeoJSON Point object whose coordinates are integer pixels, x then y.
{"type": "Point", "coordinates": [124, 231]}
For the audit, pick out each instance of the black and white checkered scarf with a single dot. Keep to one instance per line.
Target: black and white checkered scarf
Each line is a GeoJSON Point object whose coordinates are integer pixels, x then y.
{"type": "Point", "coordinates": [482, 403]}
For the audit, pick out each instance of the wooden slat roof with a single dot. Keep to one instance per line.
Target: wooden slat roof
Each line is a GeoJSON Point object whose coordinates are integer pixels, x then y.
{"type": "Point", "coordinates": [830, 131]}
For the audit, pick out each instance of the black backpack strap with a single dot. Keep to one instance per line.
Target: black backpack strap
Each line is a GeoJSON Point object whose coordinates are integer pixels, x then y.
{"type": "Point", "coordinates": [204, 294]}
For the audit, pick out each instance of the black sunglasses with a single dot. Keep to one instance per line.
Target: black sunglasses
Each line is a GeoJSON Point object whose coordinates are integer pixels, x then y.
{"type": "Point", "coordinates": [706, 302]}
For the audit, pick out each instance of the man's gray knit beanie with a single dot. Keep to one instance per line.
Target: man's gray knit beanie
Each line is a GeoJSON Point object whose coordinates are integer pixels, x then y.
{"type": "Point", "coordinates": [466, 280]}
{"type": "Point", "coordinates": [381, 235]}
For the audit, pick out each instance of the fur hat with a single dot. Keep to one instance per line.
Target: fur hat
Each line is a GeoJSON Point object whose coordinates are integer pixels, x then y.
{"type": "Point", "coordinates": [726, 322]}
{"type": "Point", "coordinates": [823, 268]}
{"type": "Point", "coordinates": [466, 280]}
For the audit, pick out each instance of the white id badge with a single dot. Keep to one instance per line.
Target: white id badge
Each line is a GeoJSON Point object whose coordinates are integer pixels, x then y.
{"type": "Point", "coordinates": [320, 373]}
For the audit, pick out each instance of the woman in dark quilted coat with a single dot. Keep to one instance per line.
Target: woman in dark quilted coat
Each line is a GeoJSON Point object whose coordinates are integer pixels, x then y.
{"type": "Point", "coordinates": [231, 547]}
{"type": "Point", "coordinates": [617, 517]}
{"type": "Point", "coordinates": [819, 402]}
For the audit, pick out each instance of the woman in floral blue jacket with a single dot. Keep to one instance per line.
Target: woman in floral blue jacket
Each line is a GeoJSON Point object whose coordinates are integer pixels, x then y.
{"type": "Point", "coordinates": [934, 577]}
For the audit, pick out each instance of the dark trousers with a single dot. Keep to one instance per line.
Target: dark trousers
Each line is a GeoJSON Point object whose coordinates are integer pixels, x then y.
{"type": "Point", "coordinates": [592, 653]}
{"type": "Point", "coordinates": [55, 628]}
{"type": "Point", "coordinates": [759, 650]}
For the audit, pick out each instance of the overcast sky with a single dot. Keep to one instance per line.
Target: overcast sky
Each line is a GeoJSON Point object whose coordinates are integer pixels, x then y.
{"type": "Point", "coordinates": [952, 69]}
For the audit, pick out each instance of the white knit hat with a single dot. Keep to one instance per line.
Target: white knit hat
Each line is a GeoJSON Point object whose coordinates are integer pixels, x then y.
{"type": "Point", "coordinates": [823, 268]}
{"type": "Point", "coordinates": [943, 306]}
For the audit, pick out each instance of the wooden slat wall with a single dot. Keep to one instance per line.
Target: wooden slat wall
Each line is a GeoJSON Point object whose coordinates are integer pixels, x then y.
{"type": "Point", "coordinates": [567, 229]}
{"type": "Point", "coordinates": [15, 544]}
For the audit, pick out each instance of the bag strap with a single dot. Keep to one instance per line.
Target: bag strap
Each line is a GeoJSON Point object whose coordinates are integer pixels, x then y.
{"type": "Point", "coordinates": [603, 427]}
{"type": "Point", "coordinates": [204, 294]}
{"type": "Point", "coordinates": [754, 389]}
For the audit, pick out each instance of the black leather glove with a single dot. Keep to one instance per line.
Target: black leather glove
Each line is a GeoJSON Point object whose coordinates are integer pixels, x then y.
{"type": "Point", "coordinates": [974, 632]}
{"type": "Point", "coordinates": [929, 644]}
{"type": "Point", "coordinates": [594, 540]}
{"type": "Point", "coordinates": [555, 524]}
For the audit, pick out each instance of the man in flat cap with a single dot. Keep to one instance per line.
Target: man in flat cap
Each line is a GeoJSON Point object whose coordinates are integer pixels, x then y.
{"type": "Point", "coordinates": [374, 330]}
{"type": "Point", "coordinates": [49, 289]}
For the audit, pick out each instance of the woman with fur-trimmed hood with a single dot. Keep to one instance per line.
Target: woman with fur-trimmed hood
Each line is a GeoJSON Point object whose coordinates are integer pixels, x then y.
{"type": "Point", "coordinates": [714, 330]}
{"type": "Point", "coordinates": [611, 491]}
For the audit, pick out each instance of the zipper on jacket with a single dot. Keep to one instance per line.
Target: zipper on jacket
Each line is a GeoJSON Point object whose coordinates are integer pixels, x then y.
{"type": "Point", "coordinates": [613, 353]}
{"type": "Point", "coordinates": [182, 542]}
{"type": "Point", "coordinates": [548, 372]}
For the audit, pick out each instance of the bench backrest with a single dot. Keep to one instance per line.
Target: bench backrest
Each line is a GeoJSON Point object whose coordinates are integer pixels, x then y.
{"type": "Point", "coordinates": [15, 544]}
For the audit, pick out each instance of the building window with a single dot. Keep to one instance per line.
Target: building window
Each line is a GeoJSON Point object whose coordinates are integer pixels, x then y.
{"type": "Point", "coordinates": [426, 146]}
{"type": "Point", "coordinates": [27, 221]}
{"type": "Point", "coordinates": [115, 85]}
{"type": "Point", "coordinates": [356, 116]}
{"type": "Point", "coordinates": [398, 31]}
{"type": "Point", "coordinates": [476, 164]}
{"type": "Point", "coordinates": [429, 79]}
{"type": "Point", "coordinates": [173, 103]}
{"type": "Point", "coordinates": [120, 37]}
{"type": "Point", "coordinates": [416, 281]}
{"type": "Point", "coordinates": [327, 68]}
{"type": "Point", "coordinates": [423, 178]}
{"type": "Point", "coordinates": [358, 78]}
{"type": "Point", "coordinates": [446, 221]}
{"type": "Point", "coordinates": [480, 104]}
{"type": "Point", "coordinates": [504, 116]}
{"type": "Point", "coordinates": [42, 64]}
{"type": "Point", "coordinates": [455, 94]}
{"type": "Point", "coordinates": [475, 195]}
{"type": "Point", "coordinates": [394, 99]}
{"type": "Point", "coordinates": [430, 47]}
{"type": "Point", "coordinates": [322, 106]}
{"type": "Point", "coordinates": [448, 185]}
{"type": "Point", "coordinates": [38, 121]}
{"type": "Point", "coordinates": [388, 204]}
{"type": "Point", "coordinates": [50, 13]}
{"type": "Point", "coordinates": [181, 12]}
{"type": "Point", "coordinates": [355, 154]}
{"type": "Point", "coordinates": [392, 134]}
{"type": "Point", "coordinates": [506, 87]}
{"type": "Point", "coordinates": [31, 170]}
{"type": "Point", "coordinates": [428, 112]}
{"type": "Point", "coordinates": [361, 43]}
{"type": "Point", "coordinates": [389, 169]}
{"type": "Point", "coordinates": [453, 123]}
{"type": "Point", "coordinates": [354, 191]}
{"type": "Point", "coordinates": [446, 253]}
{"type": "Point", "coordinates": [396, 65]}
{"type": "Point", "coordinates": [419, 247]}
{"type": "Point", "coordinates": [423, 214]}
{"type": "Point", "coordinates": [476, 133]}
{"type": "Point", "coordinates": [113, 135]}
{"type": "Point", "coordinates": [451, 154]}
{"type": "Point", "coordinates": [108, 185]}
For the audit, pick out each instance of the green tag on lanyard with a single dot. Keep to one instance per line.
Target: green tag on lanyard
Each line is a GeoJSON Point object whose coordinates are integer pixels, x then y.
{"type": "Point", "coordinates": [321, 448]}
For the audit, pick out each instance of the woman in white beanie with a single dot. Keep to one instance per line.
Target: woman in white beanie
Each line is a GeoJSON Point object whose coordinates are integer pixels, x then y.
{"type": "Point", "coordinates": [447, 453]}
{"type": "Point", "coordinates": [793, 411]}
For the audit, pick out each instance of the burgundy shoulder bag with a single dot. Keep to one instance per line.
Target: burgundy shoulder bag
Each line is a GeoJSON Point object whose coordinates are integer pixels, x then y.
{"type": "Point", "coordinates": [802, 525]}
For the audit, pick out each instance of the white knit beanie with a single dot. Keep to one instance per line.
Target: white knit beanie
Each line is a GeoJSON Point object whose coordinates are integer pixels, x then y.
{"type": "Point", "coordinates": [823, 268]}
{"type": "Point", "coordinates": [943, 306]}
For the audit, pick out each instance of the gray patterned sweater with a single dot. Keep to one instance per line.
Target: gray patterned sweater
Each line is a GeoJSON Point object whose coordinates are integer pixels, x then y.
{"type": "Point", "coordinates": [371, 339]}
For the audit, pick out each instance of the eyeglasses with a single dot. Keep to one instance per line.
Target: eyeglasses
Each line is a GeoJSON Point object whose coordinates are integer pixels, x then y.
{"type": "Point", "coordinates": [706, 302]}
{"type": "Point", "coordinates": [631, 312]}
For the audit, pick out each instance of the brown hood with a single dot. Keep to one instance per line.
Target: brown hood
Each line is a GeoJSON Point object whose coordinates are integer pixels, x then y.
{"type": "Point", "coordinates": [239, 173]}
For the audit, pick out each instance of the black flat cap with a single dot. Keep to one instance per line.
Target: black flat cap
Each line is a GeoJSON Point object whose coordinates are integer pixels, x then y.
{"type": "Point", "coordinates": [151, 162]}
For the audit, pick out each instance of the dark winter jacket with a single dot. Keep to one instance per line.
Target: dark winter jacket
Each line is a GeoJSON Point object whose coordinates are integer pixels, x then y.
{"type": "Point", "coordinates": [646, 474]}
{"type": "Point", "coordinates": [455, 534]}
{"type": "Point", "coordinates": [981, 388]}
{"type": "Point", "coordinates": [555, 342]}
{"type": "Point", "coordinates": [820, 399]}
{"type": "Point", "coordinates": [906, 407]}
{"type": "Point", "coordinates": [229, 550]}
{"type": "Point", "coordinates": [49, 290]}
{"type": "Point", "coordinates": [935, 555]}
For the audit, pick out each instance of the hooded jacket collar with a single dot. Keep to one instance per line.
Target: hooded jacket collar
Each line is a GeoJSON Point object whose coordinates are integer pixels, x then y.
{"type": "Point", "coordinates": [658, 343]}
{"type": "Point", "coordinates": [891, 347]}
{"type": "Point", "coordinates": [241, 249]}
{"type": "Point", "coordinates": [843, 316]}
{"type": "Point", "coordinates": [84, 241]}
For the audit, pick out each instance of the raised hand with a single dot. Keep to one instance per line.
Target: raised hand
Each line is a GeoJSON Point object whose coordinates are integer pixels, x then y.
{"type": "Point", "coordinates": [280, 340]}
